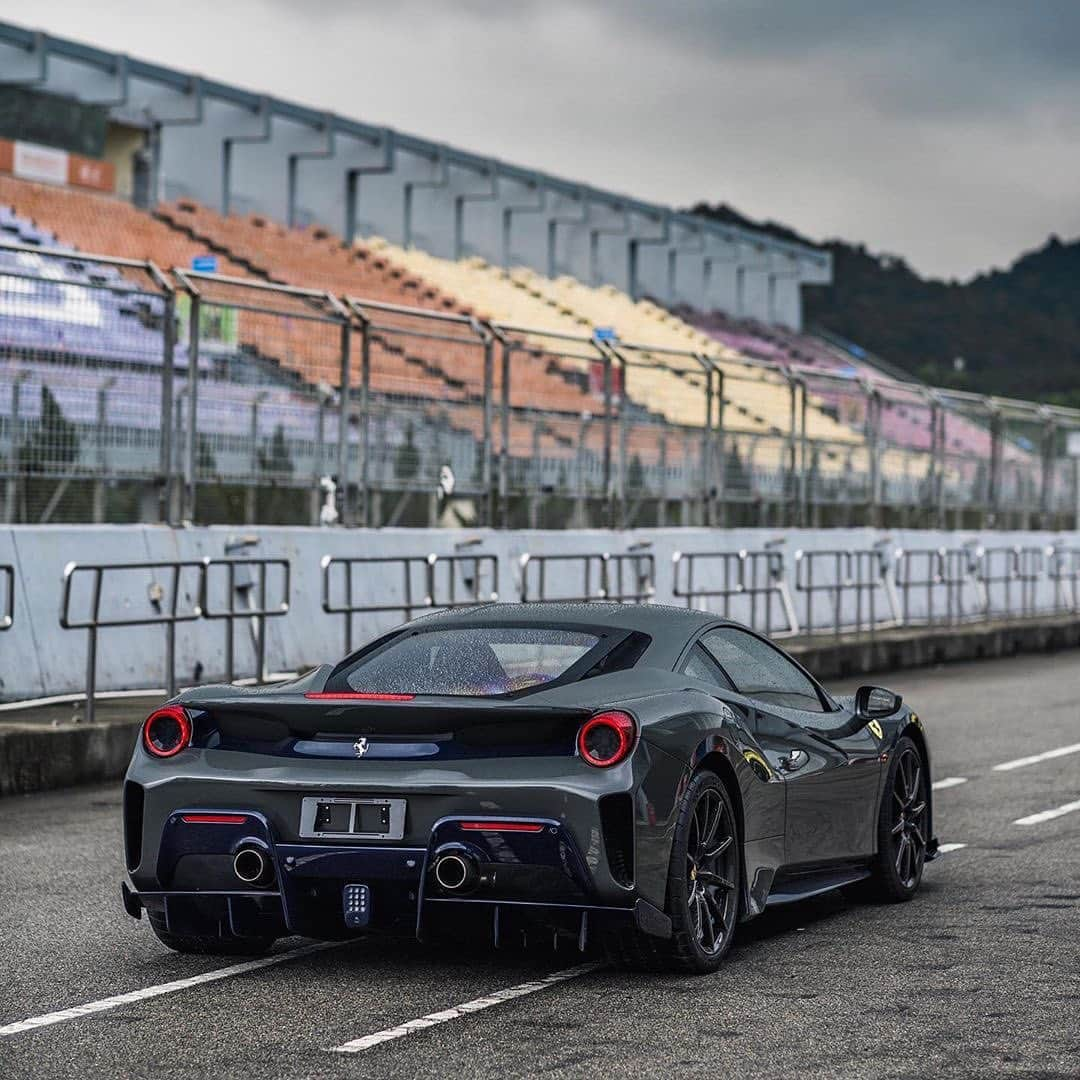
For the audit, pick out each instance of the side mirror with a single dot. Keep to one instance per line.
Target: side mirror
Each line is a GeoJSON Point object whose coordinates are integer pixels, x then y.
{"type": "Point", "coordinates": [875, 703]}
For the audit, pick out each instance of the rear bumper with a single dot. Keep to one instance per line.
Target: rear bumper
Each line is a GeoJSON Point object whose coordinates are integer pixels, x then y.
{"type": "Point", "coordinates": [538, 873]}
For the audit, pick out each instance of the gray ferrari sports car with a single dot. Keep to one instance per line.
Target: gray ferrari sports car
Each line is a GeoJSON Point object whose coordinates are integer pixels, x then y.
{"type": "Point", "coordinates": [642, 775]}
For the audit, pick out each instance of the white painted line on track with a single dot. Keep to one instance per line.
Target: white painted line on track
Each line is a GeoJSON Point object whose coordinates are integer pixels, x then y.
{"type": "Point", "coordinates": [1048, 815]}
{"type": "Point", "coordinates": [944, 849]}
{"type": "Point", "coordinates": [1019, 763]}
{"type": "Point", "coordinates": [91, 1007]}
{"type": "Point", "coordinates": [366, 1042]}
{"type": "Point", "coordinates": [947, 782]}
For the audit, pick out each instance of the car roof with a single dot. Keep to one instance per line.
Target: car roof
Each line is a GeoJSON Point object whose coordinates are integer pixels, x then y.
{"type": "Point", "coordinates": [648, 618]}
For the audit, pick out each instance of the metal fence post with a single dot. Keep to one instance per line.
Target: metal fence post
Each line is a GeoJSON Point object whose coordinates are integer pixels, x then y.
{"type": "Point", "coordinates": [1049, 436]}
{"type": "Point", "coordinates": [608, 435]}
{"type": "Point", "coordinates": [504, 430]}
{"type": "Point", "coordinates": [995, 482]}
{"type": "Point", "coordinates": [486, 449]}
{"type": "Point", "coordinates": [344, 496]}
{"type": "Point", "coordinates": [192, 473]}
{"type": "Point", "coordinates": [720, 517]}
{"type": "Point", "coordinates": [167, 495]}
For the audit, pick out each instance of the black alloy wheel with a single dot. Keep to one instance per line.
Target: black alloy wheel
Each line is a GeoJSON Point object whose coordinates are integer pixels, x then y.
{"type": "Point", "coordinates": [903, 825]}
{"type": "Point", "coordinates": [711, 872]}
{"type": "Point", "coordinates": [909, 818]}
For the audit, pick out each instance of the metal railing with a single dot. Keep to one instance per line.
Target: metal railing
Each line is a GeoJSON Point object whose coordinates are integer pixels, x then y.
{"type": "Point", "coordinates": [226, 396]}
{"type": "Point", "coordinates": [856, 585]}
{"type": "Point", "coordinates": [438, 585]}
{"type": "Point", "coordinates": [757, 578]}
{"type": "Point", "coordinates": [1064, 573]}
{"type": "Point", "coordinates": [623, 577]}
{"type": "Point", "coordinates": [164, 602]}
{"type": "Point", "coordinates": [7, 574]}
{"type": "Point", "coordinates": [246, 581]}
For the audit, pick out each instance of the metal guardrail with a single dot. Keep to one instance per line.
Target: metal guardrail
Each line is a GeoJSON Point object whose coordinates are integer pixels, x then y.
{"type": "Point", "coordinates": [429, 596]}
{"type": "Point", "coordinates": [246, 579]}
{"type": "Point", "coordinates": [164, 603]}
{"type": "Point", "coordinates": [855, 575]}
{"type": "Point", "coordinates": [757, 576]}
{"type": "Point", "coordinates": [623, 577]}
{"type": "Point", "coordinates": [1064, 573]}
{"type": "Point", "coordinates": [7, 572]}
{"type": "Point", "coordinates": [1008, 573]}
{"type": "Point", "coordinates": [942, 578]}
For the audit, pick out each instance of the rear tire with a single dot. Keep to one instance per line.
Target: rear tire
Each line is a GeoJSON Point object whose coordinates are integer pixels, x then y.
{"type": "Point", "coordinates": [704, 887]}
{"type": "Point", "coordinates": [206, 945]}
{"type": "Point", "coordinates": [902, 826]}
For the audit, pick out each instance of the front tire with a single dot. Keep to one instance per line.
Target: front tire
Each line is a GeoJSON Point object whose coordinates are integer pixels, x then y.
{"type": "Point", "coordinates": [902, 826]}
{"type": "Point", "coordinates": [703, 889]}
{"type": "Point", "coordinates": [206, 945]}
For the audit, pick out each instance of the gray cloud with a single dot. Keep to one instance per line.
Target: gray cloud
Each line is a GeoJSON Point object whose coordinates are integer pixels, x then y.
{"type": "Point", "coordinates": [946, 132]}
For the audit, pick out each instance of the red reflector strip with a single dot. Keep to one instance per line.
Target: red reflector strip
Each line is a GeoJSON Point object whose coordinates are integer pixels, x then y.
{"type": "Point", "coordinates": [502, 826]}
{"type": "Point", "coordinates": [213, 819]}
{"type": "Point", "coordinates": [343, 695]}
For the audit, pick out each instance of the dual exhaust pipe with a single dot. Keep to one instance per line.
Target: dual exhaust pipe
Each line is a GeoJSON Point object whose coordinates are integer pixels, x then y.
{"type": "Point", "coordinates": [455, 872]}
{"type": "Point", "coordinates": [252, 866]}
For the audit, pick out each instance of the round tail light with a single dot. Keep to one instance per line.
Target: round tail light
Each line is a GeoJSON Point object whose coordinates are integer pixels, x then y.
{"type": "Point", "coordinates": [167, 731]}
{"type": "Point", "coordinates": [606, 739]}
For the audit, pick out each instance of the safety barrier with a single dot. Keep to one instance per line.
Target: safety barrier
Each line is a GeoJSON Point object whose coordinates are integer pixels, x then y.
{"type": "Point", "coordinates": [436, 590]}
{"type": "Point", "coordinates": [246, 579]}
{"type": "Point", "coordinates": [861, 577]}
{"type": "Point", "coordinates": [758, 577]}
{"type": "Point", "coordinates": [624, 577]}
{"type": "Point", "coordinates": [7, 572]}
{"type": "Point", "coordinates": [367, 403]}
{"type": "Point", "coordinates": [1064, 574]}
{"type": "Point", "coordinates": [164, 604]}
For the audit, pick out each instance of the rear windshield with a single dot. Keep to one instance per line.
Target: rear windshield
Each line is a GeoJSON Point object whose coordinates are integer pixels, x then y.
{"type": "Point", "coordinates": [473, 662]}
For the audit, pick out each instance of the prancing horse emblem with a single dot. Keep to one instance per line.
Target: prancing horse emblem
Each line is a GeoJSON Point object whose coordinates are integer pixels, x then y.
{"type": "Point", "coordinates": [360, 746]}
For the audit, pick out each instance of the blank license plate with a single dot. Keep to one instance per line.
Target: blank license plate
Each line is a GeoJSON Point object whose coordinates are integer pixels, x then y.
{"type": "Point", "coordinates": [340, 818]}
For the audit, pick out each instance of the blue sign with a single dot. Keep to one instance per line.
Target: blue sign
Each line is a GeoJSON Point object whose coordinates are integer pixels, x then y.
{"type": "Point", "coordinates": [206, 264]}
{"type": "Point", "coordinates": [604, 333]}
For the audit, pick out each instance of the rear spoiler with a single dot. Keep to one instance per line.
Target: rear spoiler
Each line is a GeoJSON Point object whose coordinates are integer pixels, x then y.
{"type": "Point", "coordinates": [305, 717]}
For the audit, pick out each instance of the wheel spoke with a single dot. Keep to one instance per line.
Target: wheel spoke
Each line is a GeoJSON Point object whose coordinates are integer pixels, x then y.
{"type": "Point", "coordinates": [708, 915]}
{"type": "Point", "coordinates": [898, 828]}
{"type": "Point", "coordinates": [719, 849]}
{"type": "Point", "coordinates": [900, 855]}
{"type": "Point", "coordinates": [918, 835]}
{"type": "Point", "coordinates": [707, 877]}
{"type": "Point", "coordinates": [917, 811]}
{"type": "Point", "coordinates": [713, 818]}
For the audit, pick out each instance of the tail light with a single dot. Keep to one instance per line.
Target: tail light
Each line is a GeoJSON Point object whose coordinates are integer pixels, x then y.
{"type": "Point", "coordinates": [167, 731]}
{"type": "Point", "coordinates": [606, 739]}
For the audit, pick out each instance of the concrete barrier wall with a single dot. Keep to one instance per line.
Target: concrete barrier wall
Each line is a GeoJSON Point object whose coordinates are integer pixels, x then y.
{"type": "Point", "coordinates": [38, 658]}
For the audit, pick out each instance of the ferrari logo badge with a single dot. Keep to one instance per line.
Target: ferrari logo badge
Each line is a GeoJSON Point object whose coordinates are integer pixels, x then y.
{"type": "Point", "coordinates": [360, 746]}
{"type": "Point", "coordinates": [875, 729]}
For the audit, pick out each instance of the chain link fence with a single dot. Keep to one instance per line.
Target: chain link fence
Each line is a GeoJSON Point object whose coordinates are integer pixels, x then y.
{"type": "Point", "coordinates": [130, 394]}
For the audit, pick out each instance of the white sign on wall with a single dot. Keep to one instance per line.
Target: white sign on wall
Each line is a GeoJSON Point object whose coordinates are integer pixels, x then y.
{"type": "Point", "coordinates": [33, 162]}
{"type": "Point", "coordinates": [1072, 444]}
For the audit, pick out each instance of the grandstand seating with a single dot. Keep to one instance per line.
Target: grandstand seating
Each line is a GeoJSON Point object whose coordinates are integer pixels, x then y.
{"type": "Point", "coordinates": [553, 384]}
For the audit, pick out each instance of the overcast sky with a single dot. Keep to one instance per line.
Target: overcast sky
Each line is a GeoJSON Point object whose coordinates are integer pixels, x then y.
{"type": "Point", "coordinates": [945, 131]}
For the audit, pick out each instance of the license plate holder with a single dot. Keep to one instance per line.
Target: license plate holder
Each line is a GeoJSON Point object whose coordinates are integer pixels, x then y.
{"type": "Point", "coordinates": [327, 817]}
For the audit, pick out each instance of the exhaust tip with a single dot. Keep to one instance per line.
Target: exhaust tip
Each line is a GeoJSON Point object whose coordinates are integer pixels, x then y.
{"type": "Point", "coordinates": [456, 873]}
{"type": "Point", "coordinates": [251, 866]}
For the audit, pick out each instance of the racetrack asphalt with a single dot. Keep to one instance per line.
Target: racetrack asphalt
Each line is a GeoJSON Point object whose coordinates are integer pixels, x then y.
{"type": "Point", "coordinates": [979, 975]}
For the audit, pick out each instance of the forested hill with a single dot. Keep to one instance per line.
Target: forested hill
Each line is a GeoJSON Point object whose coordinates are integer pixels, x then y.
{"type": "Point", "coordinates": [1017, 330]}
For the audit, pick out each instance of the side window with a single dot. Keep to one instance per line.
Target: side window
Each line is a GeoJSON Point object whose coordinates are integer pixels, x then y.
{"type": "Point", "coordinates": [760, 671]}
{"type": "Point", "coordinates": [699, 665]}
